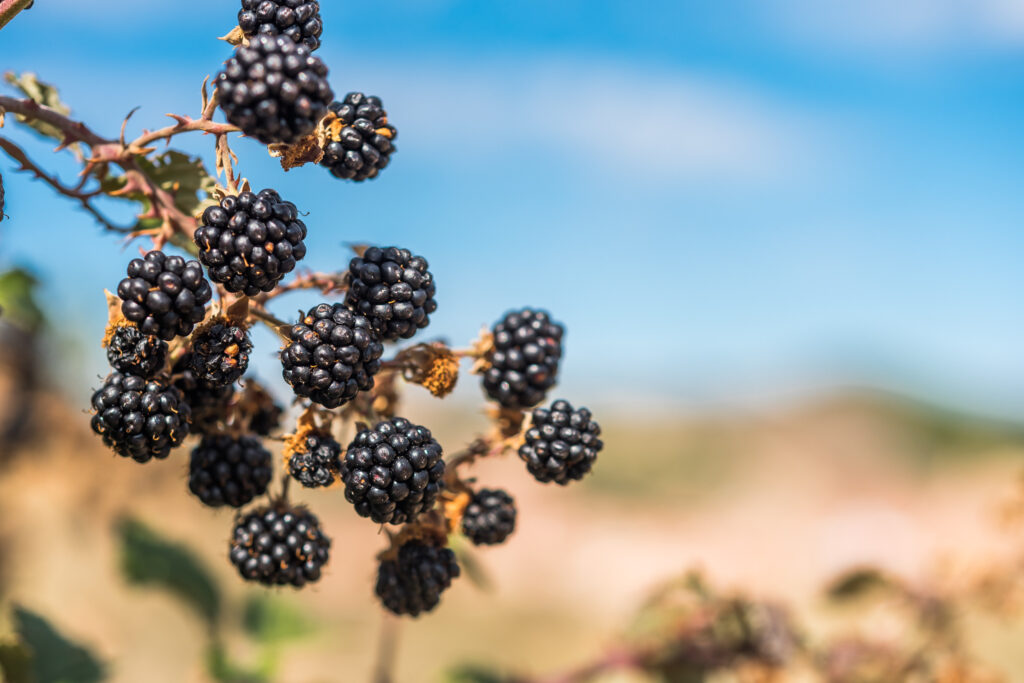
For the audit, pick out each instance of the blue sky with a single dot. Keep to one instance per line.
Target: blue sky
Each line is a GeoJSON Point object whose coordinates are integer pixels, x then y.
{"type": "Point", "coordinates": [723, 201]}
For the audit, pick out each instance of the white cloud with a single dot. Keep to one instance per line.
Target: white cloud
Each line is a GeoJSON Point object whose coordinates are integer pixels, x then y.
{"type": "Point", "coordinates": [627, 119]}
{"type": "Point", "coordinates": [900, 25]}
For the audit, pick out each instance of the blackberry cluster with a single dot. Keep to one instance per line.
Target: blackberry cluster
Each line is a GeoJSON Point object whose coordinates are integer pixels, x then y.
{"type": "Point", "coordinates": [164, 295]}
{"type": "Point", "coordinates": [250, 241]}
{"type": "Point", "coordinates": [524, 362]}
{"type": "Point", "coordinates": [139, 419]}
{"type": "Point", "coordinates": [279, 545]}
{"type": "Point", "coordinates": [209, 402]}
{"type": "Point", "coordinates": [318, 462]}
{"type": "Point", "coordinates": [131, 352]}
{"type": "Point", "coordinates": [228, 471]}
{"type": "Point", "coordinates": [364, 144]}
{"type": "Point", "coordinates": [274, 89]}
{"type": "Point", "coordinates": [393, 471]}
{"type": "Point", "coordinates": [561, 444]}
{"type": "Point", "coordinates": [297, 19]}
{"type": "Point", "coordinates": [412, 582]}
{"type": "Point", "coordinates": [490, 517]}
{"type": "Point", "coordinates": [333, 355]}
{"type": "Point", "coordinates": [393, 289]}
{"type": "Point", "coordinates": [220, 353]}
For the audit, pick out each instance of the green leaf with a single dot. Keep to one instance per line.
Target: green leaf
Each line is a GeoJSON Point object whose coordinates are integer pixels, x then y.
{"type": "Point", "coordinates": [149, 559]}
{"type": "Point", "coordinates": [473, 673]}
{"type": "Point", "coordinates": [18, 304]}
{"type": "Point", "coordinates": [271, 620]}
{"type": "Point", "coordinates": [54, 658]}
{"type": "Point", "coordinates": [16, 663]}
{"type": "Point", "coordinates": [43, 93]}
{"type": "Point", "coordinates": [222, 669]}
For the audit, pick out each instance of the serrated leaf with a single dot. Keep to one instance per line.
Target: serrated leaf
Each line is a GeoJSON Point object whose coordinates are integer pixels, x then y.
{"type": "Point", "coordinates": [18, 304]}
{"type": "Point", "coordinates": [55, 659]}
{"type": "Point", "coordinates": [149, 559]}
{"type": "Point", "coordinates": [42, 93]}
{"type": "Point", "coordinates": [271, 620]}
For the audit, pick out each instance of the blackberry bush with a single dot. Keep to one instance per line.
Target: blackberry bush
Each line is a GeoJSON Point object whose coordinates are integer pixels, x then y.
{"type": "Point", "coordinates": [393, 289]}
{"type": "Point", "coordinates": [138, 418]}
{"type": "Point", "coordinates": [274, 89]}
{"type": "Point", "coordinates": [412, 582]}
{"type": "Point", "coordinates": [393, 471]}
{"type": "Point", "coordinates": [296, 19]}
{"type": "Point", "coordinates": [279, 545]}
{"type": "Point", "coordinates": [490, 517]}
{"type": "Point", "coordinates": [316, 460]}
{"type": "Point", "coordinates": [164, 295]}
{"type": "Point", "coordinates": [131, 352]}
{"type": "Point", "coordinates": [249, 242]}
{"type": "Point", "coordinates": [229, 471]}
{"type": "Point", "coordinates": [561, 443]}
{"type": "Point", "coordinates": [523, 365]}
{"type": "Point", "coordinates": [362, 145]}
{"type": "Point", "coordinates": [333, 354]}
{"type": "Point", "coordinates": [220, 353]}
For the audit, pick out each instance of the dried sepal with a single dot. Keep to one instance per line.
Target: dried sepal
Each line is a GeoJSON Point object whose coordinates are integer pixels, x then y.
{"type": "Point", "coordinates": [430, 527]}
{"type": "Point", "coordinates": [236, 37]}
{"type": "Point", "coordinates": [304, 426]}
{"type": "Point", "coordinates": [115, 318]}
{"type": "Point", "coordinates": [480, 350]}
{"type": "Point", "coordinates": [453, 506]}
{"type": "Point", "coordinates": [433, 366]}
{"type": "Point", "coordinates": [310, 148]}
{"type": "Point", "coordinates": [508, 423]}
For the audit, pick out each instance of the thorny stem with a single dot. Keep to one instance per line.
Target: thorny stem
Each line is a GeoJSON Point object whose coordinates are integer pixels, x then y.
{"type": "Point", "coordinates": [387, 646]}
{"type": "Point", "coordinates": [73, 130]}
{"type": "Point", "coordinates": [327, 283]}
{"type": "Point", "coordinates": [184, 124]}
{"type": "Point", "coordinates": [264, 316]}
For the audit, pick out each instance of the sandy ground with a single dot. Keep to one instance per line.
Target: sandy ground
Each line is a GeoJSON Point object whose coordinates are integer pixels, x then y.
{"type": "Point", "coordinates": [773, 505]}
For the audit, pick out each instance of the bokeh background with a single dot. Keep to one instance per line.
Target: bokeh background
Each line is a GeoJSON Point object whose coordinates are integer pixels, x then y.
{"type": "Point", "coordinates": [784, 235]}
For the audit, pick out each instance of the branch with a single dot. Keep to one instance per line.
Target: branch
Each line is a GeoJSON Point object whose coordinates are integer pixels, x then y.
{"type": "Point", "coordinates": [74, 131]}
{"type": "Point", "coordinates": [9, 8]}
{"type": "Point", "coordinates": [83, 198]}
{"type": "Point", "coordinates": [185, 124]}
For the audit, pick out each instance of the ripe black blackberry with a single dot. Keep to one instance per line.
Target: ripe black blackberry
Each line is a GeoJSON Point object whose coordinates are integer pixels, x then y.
{"type": "Point", "coordinates": [490, 517]}
{"type": "Point", "coordinates": [364, 143]}
{"type": "Point", "coordinates": [393, 471]}
{"type": "Point", "coordinates": [138, 418]}
{"type": "Point", "coordinates": [228, 471]}
{"type": "Point", "coordinates": [561, 443]}
{"type": "Point", "coordinates": [250, 241]}
{"type": "Point", "coordinates": [208, 402]}
{"type": "Point", "coordinates": [164, 295]}
{"type": "Point", "coordinates": [316, 460]}
{"type": "Point", "coordinates": [393, 289]}
{"type": "Point", "coordinates": [220, 353]}
{"type": "Point", "coordinates": [274, 89]}
{"type": "Point", "coordinates": [524, 361]}
{"type": "Point", "coordinates": [131, 352]}
{"type": "Point", "coordinates": [333, 355]}
{"type": "Point", "coordinates": [279, 545]}
{"type": "Point", "coordinates": [297, 19]}
{"type": "Point", "coordinates": [412, 582]}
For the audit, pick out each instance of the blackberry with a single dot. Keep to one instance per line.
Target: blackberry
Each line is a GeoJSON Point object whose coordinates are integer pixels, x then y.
{"type": "Point", "coordinates": [220, 353]}
{"type": "Point", "coordinates": [297, 19]}
{"type": "Point", "coordinates": [413, 581]}
{"type": "Point", "coordinates": [274, 89]}
{"type": "Point", "coordinates": [364, 143]}
{"type": "Point", "coordinates": [250, 241]}
{"type": "Point", "coordinates": [164, 295]}
{"type": "Point", "coordinates": [209, 402]}
{"type": "Point", "coordinates": [524, 361]}
{"type": "Point", "coordinates": [317, 460]}
{"type": "Point", "coordinates": [279, 545]}
{"type": "Point", "coordinates": [333, 355]}
{"type": "Point", "coordinates": [228, 471]}
{"type": "Point", "coordinates": [131, 352]}
{"type": "Point", "coordinates": [139, 419]}
{"type": "Point", "coordinates": [490, 517]}
{"type": "Point", "coordinates": [393, 472]}
{"type": "Point", "coordinates": [393, 289]}
{"type": "Point", "coordinates": [561, 444]}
